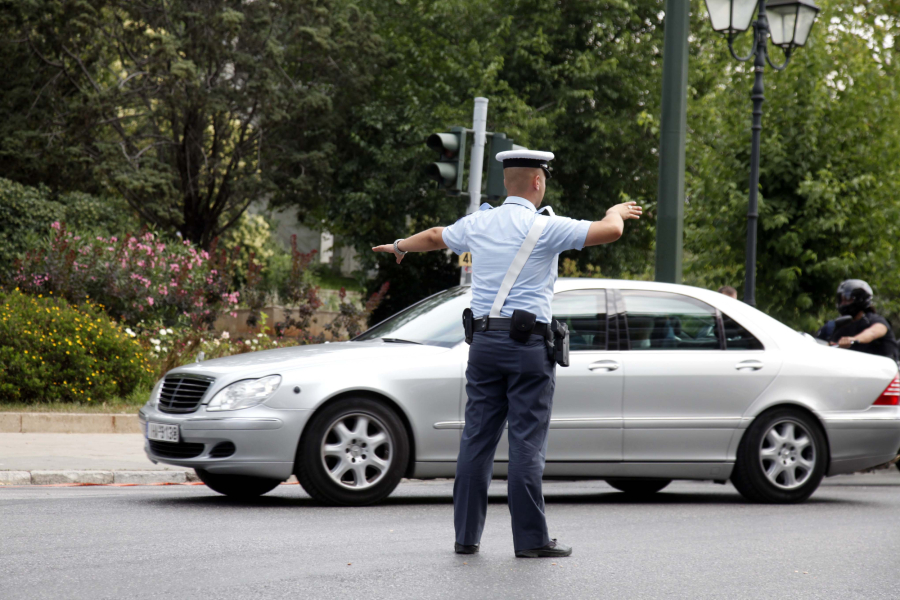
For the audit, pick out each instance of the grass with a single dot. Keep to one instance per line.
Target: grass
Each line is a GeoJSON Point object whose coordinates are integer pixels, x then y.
{"type": "Point", "coordinates": [331, 281]}
{"type": "Point", "coordinates": [129, 404]}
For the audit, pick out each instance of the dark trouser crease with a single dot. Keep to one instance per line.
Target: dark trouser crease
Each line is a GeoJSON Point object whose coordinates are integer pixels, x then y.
{"type": "Point", "coordinates": [514, 382]}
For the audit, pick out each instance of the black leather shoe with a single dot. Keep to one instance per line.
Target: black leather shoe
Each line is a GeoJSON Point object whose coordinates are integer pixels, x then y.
{"type": "Point", "coordinates": [552, 550]}
{"type": "Point", "coordinates": [461, 549]}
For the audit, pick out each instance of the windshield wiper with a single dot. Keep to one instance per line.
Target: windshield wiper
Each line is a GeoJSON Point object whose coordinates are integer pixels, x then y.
{"type": "Point", "coordinates": [399, 341]}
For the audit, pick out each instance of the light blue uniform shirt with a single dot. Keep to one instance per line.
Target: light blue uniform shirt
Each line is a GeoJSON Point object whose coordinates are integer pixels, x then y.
{"type": "Point", "coordinates": [495, 236]}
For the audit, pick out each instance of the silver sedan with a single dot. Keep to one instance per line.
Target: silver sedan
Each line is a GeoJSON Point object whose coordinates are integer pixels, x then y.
{"type": "Point", "coordinates": [666, 382]}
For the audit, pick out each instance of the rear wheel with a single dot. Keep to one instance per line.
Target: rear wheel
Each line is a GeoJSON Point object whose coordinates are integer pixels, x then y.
{"type": "Point", "coordinates": [242, 487]}
{"type": "Point", "coordinates": [639, 487]}
{"type": "Point", "coordinates": [353, 452]}
{"type": "Point", "coordinates": [782, 457]}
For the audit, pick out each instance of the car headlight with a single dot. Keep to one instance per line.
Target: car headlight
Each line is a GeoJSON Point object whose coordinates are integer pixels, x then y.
{"type": "Point", "coordinates": [244, 394]}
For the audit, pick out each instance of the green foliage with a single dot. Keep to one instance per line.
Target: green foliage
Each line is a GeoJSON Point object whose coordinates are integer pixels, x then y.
{"type": "Point", "coordinates": [170, 347]}
{"type": "Point", "coordinates": [27, 212]}
{"type": "Point", "coordinates": [829, 176]}
{"type": "Point", "coordinates": [25, 216]}
{"type": "Point", "coordinates": [51, 351]}
{"type": "Point", "coordinates": [189, 109]}
{"type": "Point", "coordinates": [577, 78]}
{"type": "Point", "coordinates": [249, 240]}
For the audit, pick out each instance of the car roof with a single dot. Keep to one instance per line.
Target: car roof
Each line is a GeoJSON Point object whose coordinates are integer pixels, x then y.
{"type": "Point", "coordinates": [564, 284]}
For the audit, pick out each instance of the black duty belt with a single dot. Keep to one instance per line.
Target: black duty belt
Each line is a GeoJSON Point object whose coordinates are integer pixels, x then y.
{"type": "Point", "coordinates": [482, 324]}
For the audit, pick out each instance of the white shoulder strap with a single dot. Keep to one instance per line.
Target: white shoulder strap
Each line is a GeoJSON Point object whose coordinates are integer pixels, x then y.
{"type": "Point", "coordinates": [518, 263]}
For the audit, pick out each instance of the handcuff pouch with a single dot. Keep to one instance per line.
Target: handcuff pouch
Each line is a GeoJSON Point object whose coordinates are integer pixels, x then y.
{"type": "Point", "coordinates": [521, 324]}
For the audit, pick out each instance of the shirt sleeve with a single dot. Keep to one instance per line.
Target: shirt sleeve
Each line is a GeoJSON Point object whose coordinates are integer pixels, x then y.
{"type": "Point", "coordinates": [567, 234]}
{"type": "Point", "coordinates": [455, 236]}
{"type": "Point", "coordinates": [873, 319]}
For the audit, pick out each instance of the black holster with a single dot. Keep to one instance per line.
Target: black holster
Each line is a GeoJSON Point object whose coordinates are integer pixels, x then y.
{"type": "Point", "coordinates": [558, 349]}
{"type": "Point", "coordinates": [469, 324]}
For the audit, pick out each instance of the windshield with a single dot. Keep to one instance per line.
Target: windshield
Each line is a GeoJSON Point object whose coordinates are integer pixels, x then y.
{"type": "Point", "coordinates": [436, 320]}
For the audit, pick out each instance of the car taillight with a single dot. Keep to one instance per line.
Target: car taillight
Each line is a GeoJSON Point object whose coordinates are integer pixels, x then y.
{"type": "Point", "coordinates": [891, 394]}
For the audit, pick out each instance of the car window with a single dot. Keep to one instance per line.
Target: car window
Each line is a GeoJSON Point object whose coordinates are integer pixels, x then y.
{"type": "Point", "coordinates": [738, 338]}
{"type": "Point", "coordinates": [584, 313]}
{"type": "Point", "coordinates": [665, 321]}
{"type": "Point", "coordinates": [436, 320]}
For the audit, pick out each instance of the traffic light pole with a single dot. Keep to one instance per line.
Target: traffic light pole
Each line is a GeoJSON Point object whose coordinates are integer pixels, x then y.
{"type": "Point", "coordinates": [476, 164]}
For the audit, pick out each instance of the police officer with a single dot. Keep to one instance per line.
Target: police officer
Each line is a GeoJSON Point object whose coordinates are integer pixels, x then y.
{"type": "Point", "coordinates": [511, 380]}
{"type": "Point", "coordinates": [868, 331]}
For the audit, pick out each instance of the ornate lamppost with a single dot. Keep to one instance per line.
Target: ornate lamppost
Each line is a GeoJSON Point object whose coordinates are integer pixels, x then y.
{"type": "Point", "coordinates": [788, 22]}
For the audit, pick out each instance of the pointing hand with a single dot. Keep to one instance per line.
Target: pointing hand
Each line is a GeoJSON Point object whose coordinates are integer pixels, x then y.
{"type": "Point", "coordinates": [388, 248]}
{"type": "Point", "coordinates": [627, 210]}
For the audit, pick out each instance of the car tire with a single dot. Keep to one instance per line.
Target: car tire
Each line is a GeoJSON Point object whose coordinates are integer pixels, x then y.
{"type": "Point", "coordinates": [352, 453]}
{"type": "Point", "coordinates": [639, 487]}
{"type": "Point", "coordinates": [242, 487]}
{"type": "Point", "coordinates": [781, 458]}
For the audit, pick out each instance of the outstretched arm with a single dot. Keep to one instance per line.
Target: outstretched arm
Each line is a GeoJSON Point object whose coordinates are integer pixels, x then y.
{"type": "Point", "coordinates": [424, 241]}
{"type": "Point", "coordinates": [612, 226]}
{"type": "Point", "coordinates": [867, 336]}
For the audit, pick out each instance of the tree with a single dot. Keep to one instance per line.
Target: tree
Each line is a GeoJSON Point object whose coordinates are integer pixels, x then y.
{"type": "Point", "coordinates": [829, 175]}
{"type": "Point", "coordinates": [190, 109]}
{"type": "Point", "coordinates": [578, 78]}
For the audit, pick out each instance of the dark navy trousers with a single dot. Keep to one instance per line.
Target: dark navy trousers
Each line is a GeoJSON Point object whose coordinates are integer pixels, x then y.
{"type": "Point", "coordinates": [505, 381]}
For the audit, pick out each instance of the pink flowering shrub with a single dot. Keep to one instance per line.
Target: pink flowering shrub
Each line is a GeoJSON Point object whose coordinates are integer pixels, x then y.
{"type": "Point", "coordinates": [137, 277]}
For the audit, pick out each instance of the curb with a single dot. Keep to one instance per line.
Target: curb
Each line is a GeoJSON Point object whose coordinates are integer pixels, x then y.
{"type": "Point", "coordinates": [108, 478]}
{"type": "Point", "coordinates": [73, 477]}
{"type": "Point", "coordinates": [12, 422]}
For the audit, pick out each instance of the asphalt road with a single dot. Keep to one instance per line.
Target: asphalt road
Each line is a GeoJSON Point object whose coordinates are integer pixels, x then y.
{"type": "Point", "coordinates": [693, 540]}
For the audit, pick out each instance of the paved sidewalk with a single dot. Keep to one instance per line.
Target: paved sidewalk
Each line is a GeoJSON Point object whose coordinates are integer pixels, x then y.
{"type": "Point", "coordinates": [82, 451]}
{"type": "Point", "coordinates": [82, 458]}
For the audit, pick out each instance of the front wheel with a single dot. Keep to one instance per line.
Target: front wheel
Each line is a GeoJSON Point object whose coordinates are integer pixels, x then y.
{"type": "Point", "coordinates": [242, 487]}
{"type": "Point", "coordinates": [352, 453]}
{"type": "Point", "coordinates": [639, 487]}
{"type": "Point", "coordinates": [781, 459]}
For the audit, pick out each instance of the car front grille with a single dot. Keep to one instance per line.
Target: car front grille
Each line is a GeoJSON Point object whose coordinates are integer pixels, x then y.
{"type": "Point", "coordinates": [182, 394]}
{"type": "Point", "coordinates": [179, 450]}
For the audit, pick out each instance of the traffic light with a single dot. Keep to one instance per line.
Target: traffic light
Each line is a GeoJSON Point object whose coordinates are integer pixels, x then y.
{"type": "Point", "coordinates": [499, 143]}
{"type": "Point", "coordinates": [451, 148]}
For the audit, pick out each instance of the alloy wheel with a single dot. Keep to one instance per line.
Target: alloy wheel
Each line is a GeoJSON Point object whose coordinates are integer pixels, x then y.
{"type": "Point", "coordinates": [357, 450]}
{"type": "Point", "coordinates": [787, 454]}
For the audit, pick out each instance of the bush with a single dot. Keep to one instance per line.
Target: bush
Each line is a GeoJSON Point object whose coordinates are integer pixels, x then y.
{"type": "Point", "coordinates": [170, 347]}
{"type": "Point", "coordinates": [52, 351]}
{"type": "Point", "coordinates": [27, 212]}
{"type": "Point", "coordinates": [134, 278]}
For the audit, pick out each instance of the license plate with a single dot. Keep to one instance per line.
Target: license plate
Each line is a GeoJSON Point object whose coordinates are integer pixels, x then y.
{"type": "Point", "coordinates": [162, 432]}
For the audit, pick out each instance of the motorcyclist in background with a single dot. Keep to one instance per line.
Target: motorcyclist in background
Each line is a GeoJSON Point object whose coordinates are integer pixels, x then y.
{"type": "Point", "coordinates": [868, 331]}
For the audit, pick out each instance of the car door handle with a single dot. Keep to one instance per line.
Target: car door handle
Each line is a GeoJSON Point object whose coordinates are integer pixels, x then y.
{"type": "Point", "coordinates": [604, 365]}
{"type": "Point", "coordinates": [749, 365]}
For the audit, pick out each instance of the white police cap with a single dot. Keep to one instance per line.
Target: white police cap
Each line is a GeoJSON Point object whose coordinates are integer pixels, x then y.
{"type": "Point", "coordinates": [534, 159]}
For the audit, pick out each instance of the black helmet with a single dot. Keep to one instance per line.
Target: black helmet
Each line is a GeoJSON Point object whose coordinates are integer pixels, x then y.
{"type": "Point", "coordinates": [859, 295]}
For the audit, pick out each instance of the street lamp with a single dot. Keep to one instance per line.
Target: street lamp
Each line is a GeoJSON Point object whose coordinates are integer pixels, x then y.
{"type": "Point", "coordinates": [788, 22]}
